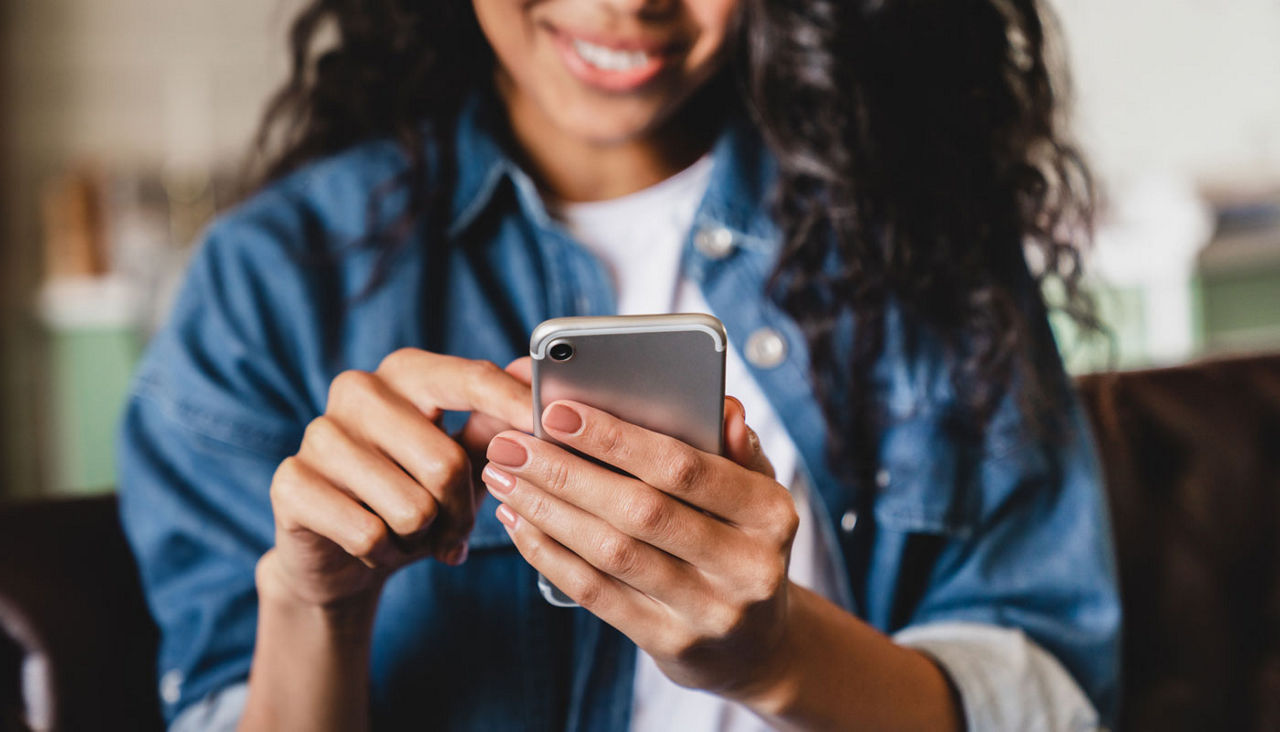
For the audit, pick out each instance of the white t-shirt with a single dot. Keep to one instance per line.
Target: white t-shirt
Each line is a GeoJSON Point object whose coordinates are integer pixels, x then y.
{"type": "Point", "coordinates": [640, 239]}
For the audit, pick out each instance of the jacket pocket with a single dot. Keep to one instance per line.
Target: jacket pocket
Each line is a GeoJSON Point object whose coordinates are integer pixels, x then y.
{"type": "Point", "coordinates": [921, 486]}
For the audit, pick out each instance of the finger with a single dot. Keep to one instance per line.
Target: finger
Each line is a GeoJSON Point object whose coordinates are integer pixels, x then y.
{"type": "Point", "coordinates": [481, 428]}
{"type": "Point", "coordinates": [710, 482]}
{"type": "Point", "coordinates": [437, 463]}
{"type": "Point", "coordinates": [434, 382]}
{"type": "Point", "coordinates": [521, 369]}
{"type": "Point", "coordinates": [741, 443]}
{"type": "Point", "coordinates": [632, 561]}
{"type": "Point", "coordinates": [628, 505]}
{"type": "Point", "coordinates": [304, 500]}
{"type": "Point", "coordinates": [609, 599]}
{"type": "Point", "coordinates": [369, 477]}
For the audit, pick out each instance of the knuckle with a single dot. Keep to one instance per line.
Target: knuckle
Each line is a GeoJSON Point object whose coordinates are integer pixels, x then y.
{"type": "Point", "coordinates": [608, 438]}
{"type": "Point", "coordinates": [321, 433]}
{"type": "Point", "coordinates": [684, 469]}
{"type": "Point", "coordinates": [396, 360]}
{"type": "Point", "coordinates": [784, 520]}
{"type": "Point", "coordinates": [765, 583]}
{"type": "Point", "coordinates": [480, 374]}
{"type": "Point", "coordinates": [556, 476]}
{"type": "Point", "coordinates": [287, 474]}
{"type": "Point", "coordinates": [647, 515]}
{"type": "Point", "coordinates": [481, 369]}
{"type": "Point", "coordinates": [347, 385]}
{"type": "Point", "coordinates": [723, 620]}
{"type": "Point", "coordinates": [413, 516]}
{"type": "Point", "coordinates": [286, 483]}
{"type": "Point", "coordinates": [760, 577]}
{"type": "Point", "coordinates": [682, 645]}
{"type": "Point", "coordinates": [366, 538]}
{"type": "Point", "coordinates": [448, 463]}
{"type": "Point", "coordinates": [619, 555]}
{"type": "Point", "coordinates": [586, 588]}
{"type": "Point", "coordinates": [539, 510]}
{"type": "Point", "coordinates": [533, 550]}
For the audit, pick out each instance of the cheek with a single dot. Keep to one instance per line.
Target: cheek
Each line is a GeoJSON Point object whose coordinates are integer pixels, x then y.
{"type": "Point", "coordinates": [508, 31]}
{"type": "Point", "coordinates": [713, 18]}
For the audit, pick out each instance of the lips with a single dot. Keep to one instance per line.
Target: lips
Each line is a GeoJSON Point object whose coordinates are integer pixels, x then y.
{"type": "Point", "coordinates": [613, 65]}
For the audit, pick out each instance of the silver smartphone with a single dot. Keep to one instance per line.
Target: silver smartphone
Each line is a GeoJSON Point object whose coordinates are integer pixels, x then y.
{"type": "Point", "coordinates": [662, 372]}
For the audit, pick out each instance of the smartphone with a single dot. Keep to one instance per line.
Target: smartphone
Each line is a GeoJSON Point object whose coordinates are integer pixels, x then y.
{"type": "Point", "coordinates": [662, 372]}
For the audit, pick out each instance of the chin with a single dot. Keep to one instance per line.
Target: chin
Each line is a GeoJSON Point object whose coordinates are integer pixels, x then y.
{"type": "Point", "coordinates": [607, 124]}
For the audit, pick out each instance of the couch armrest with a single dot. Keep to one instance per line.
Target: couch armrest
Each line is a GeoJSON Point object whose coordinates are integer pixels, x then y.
{"type": "Point", "coordinates": [71, 602]}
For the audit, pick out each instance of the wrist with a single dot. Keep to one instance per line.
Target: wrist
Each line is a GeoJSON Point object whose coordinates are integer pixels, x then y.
{"type": "Point", "coordinates": [349, 617]}
{"type": "Point", "coordinates": [773, 690]}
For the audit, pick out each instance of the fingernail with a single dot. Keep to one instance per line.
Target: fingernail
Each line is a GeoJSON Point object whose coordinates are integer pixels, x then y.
{"type": "Point", "coordinates": [507, 516]}
{"type": "Point", "coordinates": [501, 482]}
{"type": "Point", "coordinates": [562, 418]}
{"type": "Point", "coordinates": [742, 409]}
{"type": "Point", "coordinates": [458, 554]}
{"type": "Point", "coordinates": [507, 452]}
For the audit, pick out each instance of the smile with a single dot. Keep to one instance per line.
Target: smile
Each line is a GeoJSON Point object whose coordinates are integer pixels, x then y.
{"type": "Point", "coordinates": [612, 65]}
{"type": "Point", "coordinates": [609, 59]}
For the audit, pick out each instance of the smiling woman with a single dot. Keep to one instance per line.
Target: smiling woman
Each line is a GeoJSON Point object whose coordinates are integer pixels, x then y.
{"type": "Point", "coordinates": [908, 530]}
{"type": "Point", "coordinates": [597, 98]}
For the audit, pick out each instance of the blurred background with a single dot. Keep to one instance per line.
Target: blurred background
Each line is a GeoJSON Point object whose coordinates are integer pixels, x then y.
{"type": "Point", "coordinates": [123, 125]}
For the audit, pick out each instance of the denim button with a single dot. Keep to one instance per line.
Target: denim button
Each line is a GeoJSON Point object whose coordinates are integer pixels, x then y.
{"type": "Point", "coordinates": [171, 686]}
{"type": "Point", "coordinates": [849, 521]}
{"type": "Point", "coordinates": [714, 243]}
{"type": "Point", "coordinates": [766, 348]}
{"type": "Point", "coordinates": [882, 478]}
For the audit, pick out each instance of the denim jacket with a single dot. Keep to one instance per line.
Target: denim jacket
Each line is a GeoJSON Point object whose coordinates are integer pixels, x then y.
{"type": "Point", "coordinates": [1009, 532]}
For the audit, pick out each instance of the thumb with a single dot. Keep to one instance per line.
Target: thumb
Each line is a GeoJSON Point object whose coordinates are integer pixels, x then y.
{"type": "Point", "coordinates": [741, 444]}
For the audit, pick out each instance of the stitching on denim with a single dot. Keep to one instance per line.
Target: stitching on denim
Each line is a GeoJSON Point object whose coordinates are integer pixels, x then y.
{"type": "Point", "coordinates": [218, 428]}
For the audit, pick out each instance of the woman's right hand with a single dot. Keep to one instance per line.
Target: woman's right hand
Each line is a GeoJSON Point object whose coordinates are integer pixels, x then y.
{"type": "Point", "coordinates": [377, 484]}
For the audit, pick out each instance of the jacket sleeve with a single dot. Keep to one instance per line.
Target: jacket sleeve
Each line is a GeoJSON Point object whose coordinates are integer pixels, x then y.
{"type": "Point", "coordinates": [215, 406]}
{"type": "Point", "coordinates": [995, 555]}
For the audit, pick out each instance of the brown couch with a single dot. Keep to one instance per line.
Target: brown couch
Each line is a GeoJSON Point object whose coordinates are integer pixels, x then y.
{"type": "Point", "coordinates": [1192, 457]}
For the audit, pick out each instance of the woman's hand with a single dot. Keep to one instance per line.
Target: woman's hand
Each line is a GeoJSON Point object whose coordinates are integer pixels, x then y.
{"type": "Point", "coordinates": [688, 557]}
{"type": "Point", "coordinates": [377, 484]}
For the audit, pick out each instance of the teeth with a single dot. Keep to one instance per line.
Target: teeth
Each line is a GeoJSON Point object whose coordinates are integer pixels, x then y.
{"type": "Point", "coordinates": [608, 59]}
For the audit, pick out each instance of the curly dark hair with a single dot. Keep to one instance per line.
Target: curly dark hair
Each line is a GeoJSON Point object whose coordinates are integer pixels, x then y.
{"type": "Point", "coordinates": [920, 148]}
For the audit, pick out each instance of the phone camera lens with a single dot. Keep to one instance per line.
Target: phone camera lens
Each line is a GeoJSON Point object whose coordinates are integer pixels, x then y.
{"type": "Point", "coordinates": [561, 351]}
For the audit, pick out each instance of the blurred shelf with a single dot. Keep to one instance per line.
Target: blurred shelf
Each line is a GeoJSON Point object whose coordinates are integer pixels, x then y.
{"type": "Point", "coordinates": [1239, 292]}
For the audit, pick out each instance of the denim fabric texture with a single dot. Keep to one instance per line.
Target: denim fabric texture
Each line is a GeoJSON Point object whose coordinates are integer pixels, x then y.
{"type": "Point", "coordinates": [1010, 531]}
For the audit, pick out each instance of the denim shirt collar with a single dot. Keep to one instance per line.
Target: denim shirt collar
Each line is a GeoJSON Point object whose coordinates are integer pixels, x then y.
{"type": "Point", "coordinates": [736, 199]}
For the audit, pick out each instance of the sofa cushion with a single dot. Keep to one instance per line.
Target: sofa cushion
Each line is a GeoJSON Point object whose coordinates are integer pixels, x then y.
{"type": "Point", "coordinates": [1192, 461]}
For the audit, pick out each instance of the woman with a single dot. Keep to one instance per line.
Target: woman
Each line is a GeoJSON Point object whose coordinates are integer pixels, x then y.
{"type": "Point", "coordinates": [911, 534]}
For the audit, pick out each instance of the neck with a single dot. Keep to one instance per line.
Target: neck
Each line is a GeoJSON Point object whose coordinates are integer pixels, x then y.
{"type": "Point", "coordinates": [571, 169]}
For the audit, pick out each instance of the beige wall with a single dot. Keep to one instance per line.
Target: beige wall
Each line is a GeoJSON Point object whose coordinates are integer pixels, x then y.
{"type": "Point", "coordinates": [125, 83]}
{"type": "Point", "coordinates": [1182, 87]}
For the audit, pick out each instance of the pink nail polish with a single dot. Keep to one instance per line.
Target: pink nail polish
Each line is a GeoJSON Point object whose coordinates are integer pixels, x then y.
{"type": "Point", "coordinates": [507, 516]}
{"type": "Point", "coordinates": [562, 418]}
{"type": "Point", "coordinates": [507, 452]}
{"type": "Point", "coordinates": [500, 481]}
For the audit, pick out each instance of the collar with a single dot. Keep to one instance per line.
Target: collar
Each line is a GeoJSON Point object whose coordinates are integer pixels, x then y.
{"type": "Point", "coordinates": [737, 196]}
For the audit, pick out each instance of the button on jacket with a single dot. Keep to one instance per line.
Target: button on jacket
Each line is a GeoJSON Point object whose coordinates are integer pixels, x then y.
{"type": "Point", "coordinates": [1009, 531]}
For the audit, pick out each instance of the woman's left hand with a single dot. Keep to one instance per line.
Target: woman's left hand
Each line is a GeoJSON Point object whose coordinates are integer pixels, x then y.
{"type": "Point", "coordinates": [688, 558]}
